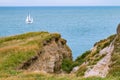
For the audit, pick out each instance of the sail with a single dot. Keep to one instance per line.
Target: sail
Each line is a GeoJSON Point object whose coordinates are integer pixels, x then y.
{"type": "Point", "coordinates": [29, 19]}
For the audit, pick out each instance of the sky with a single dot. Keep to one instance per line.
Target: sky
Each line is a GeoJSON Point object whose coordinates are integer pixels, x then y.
{"type": "Point", "coordinates": [59, 2]}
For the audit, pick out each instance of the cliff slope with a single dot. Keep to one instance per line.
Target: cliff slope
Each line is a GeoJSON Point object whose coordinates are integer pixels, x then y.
{"type": "Point", "coordinates": [34, 51]}
{"type": "Point", "coordinates": [50, 56]}
{"type": "Point", "coordinates": [102, 60]}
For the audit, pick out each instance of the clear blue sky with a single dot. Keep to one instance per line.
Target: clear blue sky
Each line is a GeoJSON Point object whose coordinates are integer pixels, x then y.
{"type": "Point", "coordinates": [59, 2]}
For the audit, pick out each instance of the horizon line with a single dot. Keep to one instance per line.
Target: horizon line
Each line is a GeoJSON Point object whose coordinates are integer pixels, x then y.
{"type": "Point", "coordinates": [65, 6]}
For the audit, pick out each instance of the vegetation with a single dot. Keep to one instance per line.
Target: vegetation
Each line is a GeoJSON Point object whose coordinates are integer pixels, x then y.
{"type": "Point", "coordinates": [14, 50]}
{"type": "Point", "coordinates": [82, 58]}
{"type": "Point", "coordinates": [92, 57]}
{"type": "Point", "coordinates": [23, 36]}
{"type": "Point", "coordinates": [81, 70]}
{"type": "Point", "coordinates": [115, 66]}
{"type": "Point", "coordinates": [67, 65]}
{"type": "Point", "coordinates": [43, 76]}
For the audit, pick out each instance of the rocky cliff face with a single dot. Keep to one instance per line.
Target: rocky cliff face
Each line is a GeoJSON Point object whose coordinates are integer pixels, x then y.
{"type": "Point", "coordinates": [101, 68]}
{"type": "Point", "coordinates": [103, 59]}
{"type": "Point", "coordinates": [49, 57]}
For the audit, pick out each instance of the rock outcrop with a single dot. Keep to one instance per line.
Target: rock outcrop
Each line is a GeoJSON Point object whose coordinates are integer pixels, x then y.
{"type": "Point", "coordinates": [102, 60]}
{"type": "Point", "coordinates": [102, 67]}
{"type": "Point", "coordinates": [50, 56]}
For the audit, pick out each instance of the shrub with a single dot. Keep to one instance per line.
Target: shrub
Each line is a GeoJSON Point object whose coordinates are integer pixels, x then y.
{"type": "Point", "coordinates": [67, 65]}
{"type": "Point", "coordinates": [81, 59]}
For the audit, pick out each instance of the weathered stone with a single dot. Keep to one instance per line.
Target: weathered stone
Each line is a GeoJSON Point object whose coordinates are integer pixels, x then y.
{"type": "Point", "coordinates": [50, 57]}
{"type": "Point", "coordinates": [102, 67]}
{"type": "Point", "coordinates": [118, 29]}
{"type": "Point", "coordinates": [75, 69]}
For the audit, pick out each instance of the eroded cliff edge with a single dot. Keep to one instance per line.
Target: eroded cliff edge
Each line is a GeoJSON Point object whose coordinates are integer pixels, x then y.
{"type": "Point", "coordinates": [50, 56]}
{"type": "Point", "coordinates": [102, 60]}
{"type": "Point", "coordinates": [34, 51]}
{"type": "Point", "coordinates": [48, 52]}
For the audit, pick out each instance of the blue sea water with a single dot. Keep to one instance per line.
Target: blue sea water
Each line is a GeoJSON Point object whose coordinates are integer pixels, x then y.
{"type": "Point", "coordinates": [80, 26]}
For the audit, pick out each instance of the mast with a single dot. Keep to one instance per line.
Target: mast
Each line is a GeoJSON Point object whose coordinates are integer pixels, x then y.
{"type": "Point", "coordinates": [29, 19]}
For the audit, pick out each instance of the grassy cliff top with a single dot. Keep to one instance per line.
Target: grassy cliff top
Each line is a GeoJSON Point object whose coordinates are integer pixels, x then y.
{"type": "Point", "coordinates": [14, 50]}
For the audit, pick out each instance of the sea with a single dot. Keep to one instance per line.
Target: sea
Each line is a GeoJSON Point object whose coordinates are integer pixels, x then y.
{"type": "Point", "coordinates": [81, 26]}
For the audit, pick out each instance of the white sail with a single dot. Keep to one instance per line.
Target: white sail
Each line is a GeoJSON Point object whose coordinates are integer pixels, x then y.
{"type": "Point", "coordinates": [29, 19]}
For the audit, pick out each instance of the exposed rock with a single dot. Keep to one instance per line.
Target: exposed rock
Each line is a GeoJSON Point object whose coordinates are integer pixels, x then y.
{"type": "Point", "coordinates": [75, 69]}
{"type": "Point", "coordinates": [103, 58]}
{"type": "Point", "coordinates": [118, 29]}
{"type": "Point", "coordinates": [101, 69]}
{"type": "Point", "coordinates": [50, 56]}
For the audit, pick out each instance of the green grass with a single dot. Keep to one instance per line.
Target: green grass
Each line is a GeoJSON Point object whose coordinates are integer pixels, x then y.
{"type": "Point", "coordinates": [13, 60]}
{"type": "Point", "coordinates": [22, 36]}
{"type": "Point", "coordinates": [92, 57]}
{"type": "Point", "coordinates": [81, 70]}
{"type": "Point", "coordinates": [82, 58]}
{"type": "Point", "coordinates": [115, 66]}
{"type": "Point", "coordinates": [41, 76]}
{"type": "Point", "coordinates": [14, 50]}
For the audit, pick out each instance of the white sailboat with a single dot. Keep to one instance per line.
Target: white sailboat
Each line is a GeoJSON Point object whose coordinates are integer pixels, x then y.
{"type": "Point", "coordinates": [29, 19]}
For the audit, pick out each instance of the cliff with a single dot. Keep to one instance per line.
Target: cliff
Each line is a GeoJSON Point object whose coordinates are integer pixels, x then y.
{"type": "Point", "coordinates": [50, 56]}
{"type": "Point", "coordinates": [102, 60]}
{"type": "Point", "coordinates": [34, 51]}
{"type": "Point", "coordinates": [25, 56]}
